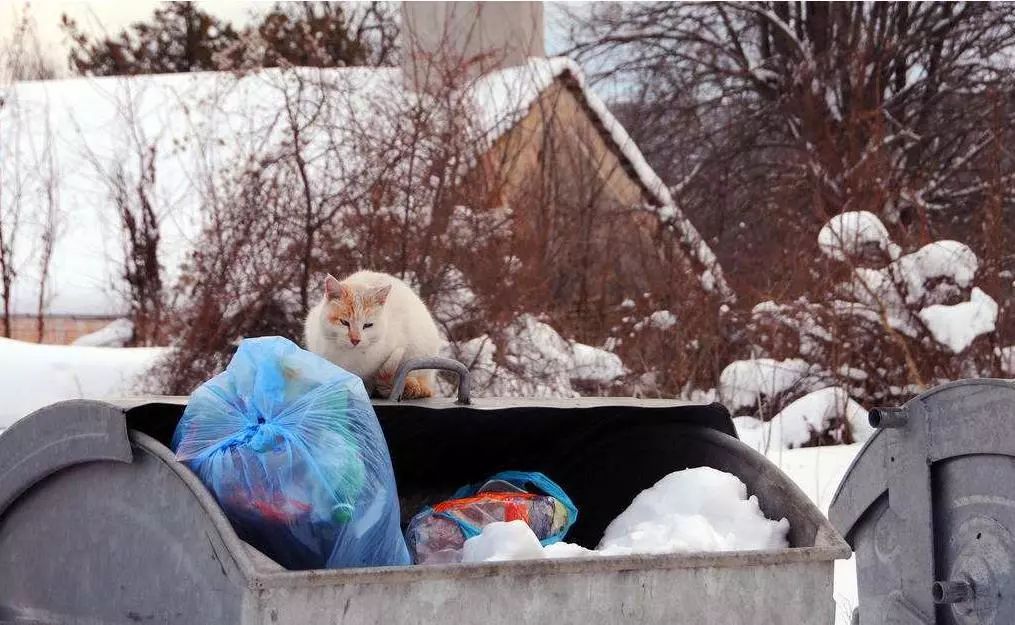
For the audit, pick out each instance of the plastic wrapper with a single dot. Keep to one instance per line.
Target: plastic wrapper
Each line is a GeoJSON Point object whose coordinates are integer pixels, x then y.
{"type": "Point", "coordinates": [289, 445]}
{"type": "Point", "coordinates": [438, 533]}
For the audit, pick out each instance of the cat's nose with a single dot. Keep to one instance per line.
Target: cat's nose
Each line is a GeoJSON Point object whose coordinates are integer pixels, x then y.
{"type": "Point", "coordinates": [354, 341]}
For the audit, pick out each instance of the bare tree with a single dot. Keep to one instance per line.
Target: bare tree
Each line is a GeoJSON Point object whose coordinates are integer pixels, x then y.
{"type": "Point", "coordinates": [792, 112]}
{"type": "Point", "coordinates": [22, 57]}
{"type": "Point", "coordinates": [130, 178]}
{"type": "Point", "coordinates": [10, 225]}
{"type": "Point", "coordinates": [51, 223]}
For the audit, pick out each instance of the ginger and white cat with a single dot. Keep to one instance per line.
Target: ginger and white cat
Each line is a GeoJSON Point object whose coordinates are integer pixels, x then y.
{"type": "Point", "coordinates": [368, 324]}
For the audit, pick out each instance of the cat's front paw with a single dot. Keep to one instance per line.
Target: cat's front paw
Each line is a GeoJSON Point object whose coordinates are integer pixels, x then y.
{"type": "Point", "coordinates": [416, 388]}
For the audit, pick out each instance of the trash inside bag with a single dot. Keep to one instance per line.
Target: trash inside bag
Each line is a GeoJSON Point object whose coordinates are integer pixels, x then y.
{"type": "Point", "coordinates": [289, 445]}
{"type": "Point", "coordinates": [437, 534]}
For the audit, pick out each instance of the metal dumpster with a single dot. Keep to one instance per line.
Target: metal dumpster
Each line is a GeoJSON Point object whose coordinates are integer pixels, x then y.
{"type": "Point", "coordinates": [929, 507]}
{"type": "Point", "coordinates": [100, 524]}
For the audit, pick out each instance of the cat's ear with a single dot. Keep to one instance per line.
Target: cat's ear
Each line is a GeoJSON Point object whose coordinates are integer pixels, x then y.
{"type": "Point", "coordinates": [333, 289]}
{"type": "Point", "coordinates": [380, 294]}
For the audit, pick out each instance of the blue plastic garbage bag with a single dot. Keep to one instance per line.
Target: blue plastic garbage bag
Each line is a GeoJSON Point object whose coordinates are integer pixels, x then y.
{"type": "Point", "coordinates": [289, 445]}
{"type": "Point", "coordinates": [437, 534]}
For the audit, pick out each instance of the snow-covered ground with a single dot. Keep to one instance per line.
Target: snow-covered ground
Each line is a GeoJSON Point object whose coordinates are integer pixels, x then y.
{"type": "Point", "coordinates": [818, 471]}
{"type": "Point", "coordinates": [34, 376]}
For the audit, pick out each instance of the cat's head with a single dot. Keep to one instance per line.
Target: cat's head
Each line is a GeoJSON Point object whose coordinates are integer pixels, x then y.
{"type": "Point", "coordinates": [354, 312]}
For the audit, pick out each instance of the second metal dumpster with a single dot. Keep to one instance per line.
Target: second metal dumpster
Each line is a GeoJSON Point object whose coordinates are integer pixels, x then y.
{"type": "Point", "coordinates": [929, 506]}
{"type": "Point", "coordinates": [100, 524]}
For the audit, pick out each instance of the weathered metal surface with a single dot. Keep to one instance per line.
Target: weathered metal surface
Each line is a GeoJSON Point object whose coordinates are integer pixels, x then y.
{"type": "Point", "coordinates": [929, 508]}
{"type": "Point", "coordinates": [114, 542]}
{"type": "Point", "coordinates": [636, 590]}
{"type": "Point", "coordinates": [48, 441]}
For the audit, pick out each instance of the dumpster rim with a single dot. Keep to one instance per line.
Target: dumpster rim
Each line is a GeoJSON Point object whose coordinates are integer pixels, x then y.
{"type": "Point", "coordinates": [552, 566]}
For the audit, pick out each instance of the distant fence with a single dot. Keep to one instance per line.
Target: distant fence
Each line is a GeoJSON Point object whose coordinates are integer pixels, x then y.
{"type": "Point", "coordinates": [59, 329]}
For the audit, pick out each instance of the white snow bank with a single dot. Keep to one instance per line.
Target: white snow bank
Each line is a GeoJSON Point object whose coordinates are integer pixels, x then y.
{"type": "Point", "coordinates": [743, 382]}
{"type": "Point", "coordinates": [36, 375]}
{"type": "Point", "coordinates": [535, 346]}
{"type": "Point", "coordinates": [797, 422]}
{"type": "Point", "coordinates": [700, 509]}
{"type": "Point", "coordinates": [592, 363]}
{"type": "Point", "coordinates": [754, 433]}
{"type": "Point", "coordinates": [117, 334]}
{"type": "Point", "coordinates": [818, 472]}
{"type": "Point", "coordinates": [847, 235]}
{"type": "Point", "coordinates": [539, 362]}
{"type": "Point", "coordinates": [958, 325]}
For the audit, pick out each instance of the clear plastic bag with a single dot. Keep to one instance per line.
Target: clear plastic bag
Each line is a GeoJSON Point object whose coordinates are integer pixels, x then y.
{"type": "Point", "coordinates": [438, 533]}
{"type": "Point", "coordinates": [289, 445]}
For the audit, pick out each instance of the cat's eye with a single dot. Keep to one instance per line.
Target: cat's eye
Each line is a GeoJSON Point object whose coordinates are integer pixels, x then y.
{"type": "Point", "coordinates": [344, 322]}
{"type": "Point", "coordinates": [368, 325]}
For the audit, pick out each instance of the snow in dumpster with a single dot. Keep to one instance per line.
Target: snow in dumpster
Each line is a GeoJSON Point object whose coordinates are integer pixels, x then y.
{"type": "Point", "coordinates": [694, 510]}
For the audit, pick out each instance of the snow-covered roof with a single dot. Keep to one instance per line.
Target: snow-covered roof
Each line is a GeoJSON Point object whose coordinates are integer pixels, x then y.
{"type": "Point", "coordinates": [68, 130]}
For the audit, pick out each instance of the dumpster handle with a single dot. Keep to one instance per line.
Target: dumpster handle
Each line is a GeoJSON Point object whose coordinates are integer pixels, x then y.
{"type": "Point", "coordinates": [443, 364]}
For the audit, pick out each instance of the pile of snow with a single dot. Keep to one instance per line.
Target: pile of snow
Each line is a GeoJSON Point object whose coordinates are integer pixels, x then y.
{"type": "Point", "coordinates": [958, 325]}
{"type": "Point", "coordinates": [912, 288]}
{"type": "Point", "coordinates": [694, 510]}
{"type": "Point", "coordinates": [511, 540]}
{"type": "Point", "coordinates": [935, 271]}
{"type": "Point", "coordinates": [743, 383]}
{"type": "Point", "coordinates": [595, 365]}
{"type": "Point", "coordinates": [35, 376]}
{"type": "Point", "coordinates": [949, 262]}
{"type": "Point", "coordinates": [799, 421]}
{"type": "Point", "coordinates": [539, 362]}
{"type": "Point", "coordinates": [1007, 356]}
{"type": "Point", "coordinates": [116, 334]}
{"type": "Point", "coordinates": [700, 509]}
{"type": "Point", "coordinates": [931, 274]}
{"type": "Point", "coordinates": [660, 319]}
{"type": "Point", "coordinates": [848, 235]}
